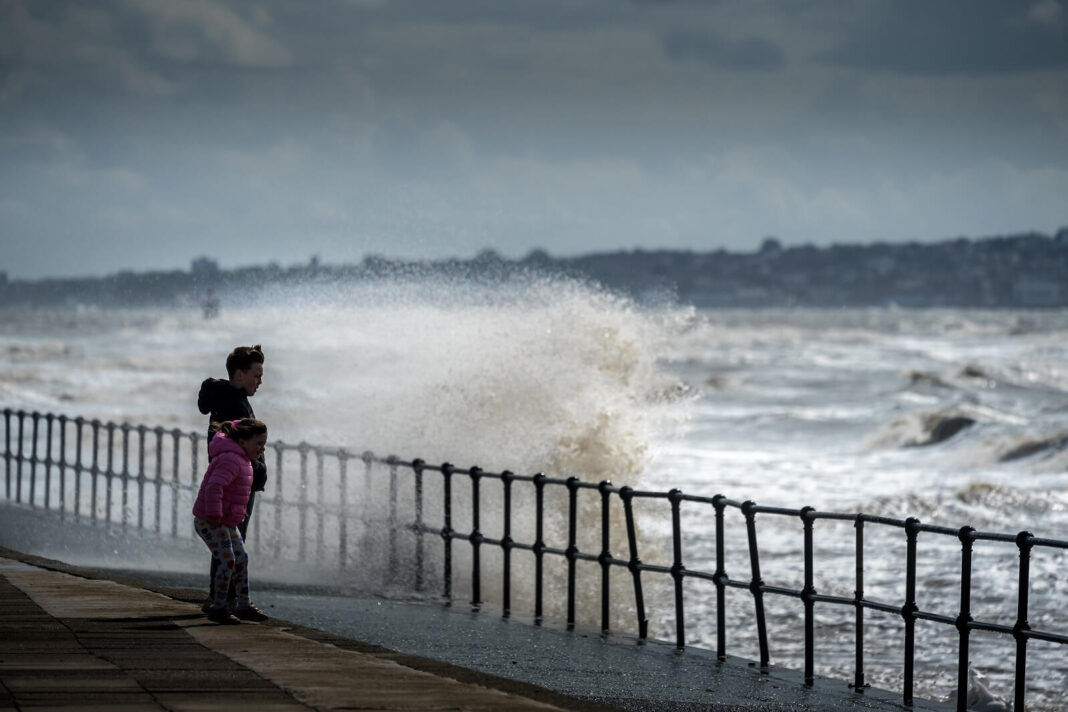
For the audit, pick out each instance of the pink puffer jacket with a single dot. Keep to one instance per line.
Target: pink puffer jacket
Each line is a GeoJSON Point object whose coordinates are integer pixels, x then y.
{"type": "Point", "coordinates": [227, 483]}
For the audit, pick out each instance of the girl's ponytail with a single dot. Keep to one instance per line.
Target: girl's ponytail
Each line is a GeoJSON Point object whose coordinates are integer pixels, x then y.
{"type": "Point", "coordinates": [243, 429]}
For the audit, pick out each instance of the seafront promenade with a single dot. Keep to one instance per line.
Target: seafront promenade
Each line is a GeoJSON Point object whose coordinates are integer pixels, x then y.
{"type": "Point", "coordinates": [70, 642]}
{"type": "Point", "coordinates": [73, 638]}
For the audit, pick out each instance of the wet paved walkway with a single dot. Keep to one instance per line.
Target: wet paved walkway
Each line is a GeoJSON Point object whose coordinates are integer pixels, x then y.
{"type": "Point", "coordinates": [68, 642]}
{"type": "Point", "coordinates": [76, 639]}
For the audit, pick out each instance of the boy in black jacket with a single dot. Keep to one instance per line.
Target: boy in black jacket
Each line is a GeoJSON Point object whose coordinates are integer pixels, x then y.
{"type": "Point", "coordinates": [228, 400]}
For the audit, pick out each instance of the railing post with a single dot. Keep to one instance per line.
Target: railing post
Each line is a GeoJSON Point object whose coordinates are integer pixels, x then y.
{"type": "Point", "coordinates": [677, 569]}
{"type": "Point", "coordinates": [808, 597]}
{"type": "Point", "coordinates": [417, 469]}
{"type": "Point", "coordinates": [446, 530]}
{"type": "Point", "coordinates": [475, 473]}
{"type": "Point", "coordinates": [176, 436]}
{"type": "Point", "coordinates": [95, 471]}
{"type": "Point", "coordinates": [125, 474]}
{"type": "Point", "coordinates": [110, 472]}
{"type": "Point", "coordinates": [572, 548]}
{"type": "Point", "coordinates": [7, 453]}
{"type": "Point", "coordinates": [720, 578]}
{"type": "Point", "coordinates": [279, 497]}
{"type": "Point", "coordinates": [605, 557]}
{"type": "Point", "coordinates": [320, 510]}
{"type": "Point", "coordinates": [142, 479]}
{"type": "Point", "coordinates": [79, 422]}
{"type": "Point", "coordinates": [393, 518]}
{"type": "Point", "coordinates": [858, 603]}
{"type": "Point", "coordinates": [159, 431]}
{"type": "Point", "coordinates": [539, 543]}
{"type": "Point", "coordinates": [18, 462]}
{"type": "Point", "coordinates": [62, 466]}
{"type": "Point", "coordinates": [507, 544]}
{"type": "Point", "coordinates": [36, 417]}
{"type": "Point", "coordinates": [908, 611]}
{"type": "Point", "coordinates": [1025, 542]}
{"type": "Point", "coordinates": [964, 618]}
{"type": "Point", "coordinates": [49, 418]}
{"type": "Point", "coordinates": [756, 585]}
{"type": "Point", "coordinates": [302, 544]}
{"type": "Point", "coordinates": [343, 508]}
{"type": "Point", "coordinates": [634, 564]}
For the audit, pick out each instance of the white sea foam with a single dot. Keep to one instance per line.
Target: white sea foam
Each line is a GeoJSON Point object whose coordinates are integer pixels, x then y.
{"type": "Point", "coordinates": [785, 407]}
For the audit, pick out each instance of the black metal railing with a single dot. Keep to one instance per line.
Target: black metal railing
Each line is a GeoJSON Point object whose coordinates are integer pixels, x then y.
{"type": "Point", "coordinates": [49, 462]}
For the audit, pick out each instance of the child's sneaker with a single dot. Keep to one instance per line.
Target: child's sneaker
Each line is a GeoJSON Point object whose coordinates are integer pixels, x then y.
{"type": "Point", "coordinates": [250, 613]}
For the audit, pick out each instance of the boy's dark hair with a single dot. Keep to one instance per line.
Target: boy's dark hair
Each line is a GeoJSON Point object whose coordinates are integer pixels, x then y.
{"type": "Point", "coordinates": [242, 358]}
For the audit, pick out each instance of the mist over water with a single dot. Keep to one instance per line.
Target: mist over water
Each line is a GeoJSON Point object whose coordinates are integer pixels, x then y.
{"type": "Point", "coordinates": [955, 417]}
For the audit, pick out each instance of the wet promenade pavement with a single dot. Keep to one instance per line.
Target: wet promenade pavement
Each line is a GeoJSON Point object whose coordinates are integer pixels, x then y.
{"type": "Point", "coordinates": [92, 640]}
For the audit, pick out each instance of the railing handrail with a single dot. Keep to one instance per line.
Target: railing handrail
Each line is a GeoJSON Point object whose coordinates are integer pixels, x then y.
{"type": "Point", "coordinates": [115, 477]}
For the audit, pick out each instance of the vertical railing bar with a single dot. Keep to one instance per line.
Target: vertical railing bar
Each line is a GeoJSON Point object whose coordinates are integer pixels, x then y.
{"type": "Point", "coordinates": [18, 462]}
{"type": "Point", "coordinates": [908, 610]}
{"type": "Point", "coordinates": [36, 417]}
{"type": "Point", "coordinates": [302, 544]}
{"type": "Point", "coordinates": [539, 545]}
{"type": "Point", "coordinates": [159, 478]}
{"type": "Point", "coordinates": [195, 473]}
{"type": "Point", "coordinates": [756, 584]}
{"type": "Point", "coordinates": [605, 557]}
{"type": "Point", "coordinates": [506, 545]}
{"type": "Point", "coordinates": [393, 519]}
{"type": "Point", "coordinates": [79, 422]}
{"type": "Point", "coordinates": [125, 474]}
{"type": "Point", "coordinates": [807, 594]}
{"type": "Point", "coordinates": [62, 466]}
{"type": "Point", "coordinates": [572, 549]}
{"type": "Point", "coordinates": [634, 563]}
{"type": "Point", "coordinates": [446, 529]}
{"type": "Point", "coordinates": [49, 418]}
{"type": "Point", "coordinates": [343, 511]}
{"type": "Point", "coordinates": [176, 436]}
{"type": "Point", "coordinates": [95, 472]}
{"type": "Point", "coordinates": [417, 469]}
{"type": "Point", "coordinates": [677, 568]}
{"type": "Point", "coordinates": [1025, 542]}
{"type": "Point", "coordinates": [320, 532]}
{"type": "Point", "coordinates": [7, 454]}
{"type": "Point", "coordinates": [110, 472]}
{"type": "Point", "coordinates": [964, 618]}
{"type": "Point", "coordinates": [858, 602]}
{"type": "Point", "coordinates": [475, 473]}
{"type": "Point", "coordinates": [142, 478]}
{"type": "Point", "coordinates": [719, 503]}
{"type": "Point", "coordinates": [279, 499]}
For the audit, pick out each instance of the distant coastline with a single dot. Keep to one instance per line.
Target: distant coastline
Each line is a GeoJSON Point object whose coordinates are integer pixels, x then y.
{"type": "Point", "coordinates": [1027, 270]}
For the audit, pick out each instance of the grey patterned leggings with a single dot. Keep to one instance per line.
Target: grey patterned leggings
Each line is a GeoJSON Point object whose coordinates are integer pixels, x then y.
{"type": "Point", "coordinates": [228, 549]}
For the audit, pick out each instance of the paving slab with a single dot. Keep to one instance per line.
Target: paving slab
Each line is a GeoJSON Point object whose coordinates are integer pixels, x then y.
{"type": "Point", "coordinates": [76, 643]}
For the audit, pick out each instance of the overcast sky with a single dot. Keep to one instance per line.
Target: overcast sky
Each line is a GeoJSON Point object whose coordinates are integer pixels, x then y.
{"type": "Point", "coordinates": [140, 134]}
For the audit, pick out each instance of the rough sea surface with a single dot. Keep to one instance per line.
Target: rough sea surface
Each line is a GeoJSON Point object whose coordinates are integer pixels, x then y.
{"type": "Point", "coordinates": [954, 417]}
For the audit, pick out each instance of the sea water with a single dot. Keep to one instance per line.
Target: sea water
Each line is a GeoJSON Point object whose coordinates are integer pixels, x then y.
{"type": "Point", "coordinates": [835, 409]}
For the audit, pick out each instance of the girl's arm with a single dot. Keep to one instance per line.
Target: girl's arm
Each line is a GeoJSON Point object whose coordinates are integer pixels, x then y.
{"type": "Point", "coordinates": [221, 473]}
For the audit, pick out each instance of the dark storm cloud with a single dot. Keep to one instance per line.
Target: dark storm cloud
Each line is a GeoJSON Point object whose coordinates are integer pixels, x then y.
{"type": "Point", "coordinates": [165, 130]}
{"type": "Point", "coordinates": [975, 38]}
{"type": "Point", "coordinates": [751, 53]}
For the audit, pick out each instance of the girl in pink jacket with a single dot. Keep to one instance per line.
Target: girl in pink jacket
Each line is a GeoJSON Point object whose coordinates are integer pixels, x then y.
{"type": "Point", "coordinates": [220, 508]}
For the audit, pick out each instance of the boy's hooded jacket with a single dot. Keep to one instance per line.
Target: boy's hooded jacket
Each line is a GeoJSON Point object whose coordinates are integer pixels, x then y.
{"type": "Point", "coordinates": [222, 402]}
{"type": "Point", "coordinates": [226, 485]}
